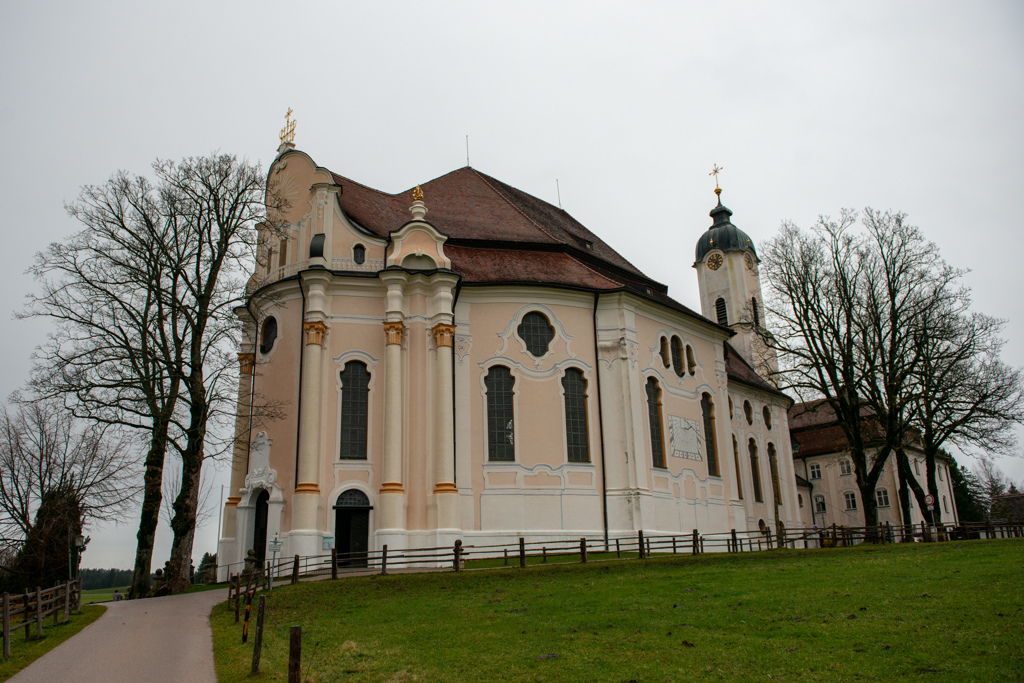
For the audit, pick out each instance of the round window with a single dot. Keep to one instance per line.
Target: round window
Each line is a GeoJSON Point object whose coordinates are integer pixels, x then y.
{"type": "Point", "coordinates": [268, 335]}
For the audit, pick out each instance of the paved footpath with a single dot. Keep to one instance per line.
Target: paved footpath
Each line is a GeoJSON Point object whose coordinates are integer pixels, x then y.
{"type": "Point", "coordinates": [153, 640]}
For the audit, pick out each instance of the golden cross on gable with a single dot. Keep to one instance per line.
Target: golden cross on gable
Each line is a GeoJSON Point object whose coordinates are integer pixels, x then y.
{"type": "Point", "coordinates": [715, 171]}
{"type": "Point", "coordinates": [288, 132]}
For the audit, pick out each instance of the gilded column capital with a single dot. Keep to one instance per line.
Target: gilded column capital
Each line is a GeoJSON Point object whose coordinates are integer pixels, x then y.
{"type": "Point", "coordinates": [315, 332]}
{"type": "Point", "coordinates": [394, 331]}
{"type": "Point", "coordinates": [246, 363]}
{"type": "Point", "coordinates": [443, 334]}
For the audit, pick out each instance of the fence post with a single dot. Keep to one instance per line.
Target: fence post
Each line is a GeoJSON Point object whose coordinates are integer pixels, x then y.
{"type": "Point", "coordinates": [695, 547]}
{"type": "Point", "coordinates": [506, 557]}
{"type": "Point", "coordinates": [673, 545]}
{"type": "Point", "coordinates": [732, 546]}
{"type": "Point", "coordinates": [384, 560]}
{"type": "Point", "coordinates": [583, 550]}
{"type": "Point", "coordinates": [294, 654]}
{"type": "Point", "coordinates": [640, 542]}
{"type": "Point", "coordinates": [238, 597]}
{"type": "Point", "coordinates": [544, 554]}
{"type": "Point", "coordinates": [39, 612]}
{"type": "Point", "coordinates": [618, 550]}
{"type": "Point", "coordinates": [295, 570]}
{"type": "Point", "coordinates": [457, 551]}
{"type": "Point", "coordinates": [522, 552]}
{"type": "Point", "coordinates": [54, 599]}
{"type": "Point", "coordinates": [248, 610]}
{"type": "Point", "coordinates": [258, 644]}
{"type": "Point", "coordinates": [67, 601]}
{"type": "Point", "coordinates": [334, 565]}
{"type": "Point", "coordinates": [6, 625]}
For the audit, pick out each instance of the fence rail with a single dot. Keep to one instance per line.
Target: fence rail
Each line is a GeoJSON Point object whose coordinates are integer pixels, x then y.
{"type": "Point", "coordinates": [29, 609]}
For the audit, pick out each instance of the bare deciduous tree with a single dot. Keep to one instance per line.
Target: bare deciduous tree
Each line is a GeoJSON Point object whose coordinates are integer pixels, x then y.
{"type": "Point", "coordinates": [44, 448]}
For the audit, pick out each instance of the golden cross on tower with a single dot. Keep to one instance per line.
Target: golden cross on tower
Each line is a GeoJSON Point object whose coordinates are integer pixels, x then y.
{"type": "Point", "coordinates": [288, 132]}
{"type": "Point", "coordinates": [715, 171]}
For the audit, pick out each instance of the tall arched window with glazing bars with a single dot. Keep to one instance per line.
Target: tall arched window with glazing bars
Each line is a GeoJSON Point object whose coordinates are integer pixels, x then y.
{"type": "Point", "coordinates": [654, 416]}
{"type": "Point", "coordinates": [577, 438]}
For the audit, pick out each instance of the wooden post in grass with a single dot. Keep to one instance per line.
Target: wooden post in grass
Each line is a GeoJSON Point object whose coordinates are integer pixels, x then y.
{"type": "Point", "coordinates": [295, 570]}
{"type": "Point", "coordinates": [618, 550]}
{"type": "Point", "coordinates": [334, 563]}
{"type": "Point", "coordinates": [248, 610]}
{"type": "Point", "coordinates": [640, 542]}
{"type": "Point", "coordinates": [39, 612]}
{"type": "Point", "coordinates": [294, 654]}
{"type": "Point", "coordinates": [734, 548]}
{"type": "Point", "coordinates": [384, 560]}
{"type": "Point", "coordinates": [696, 548]}
{"type": "Point", "coordinates": [6, 625]}
{"type": "Point", "coordinates": [522, 552]}
{"type": "Point", "coordinates": [583, 551]}
{"type": "Point", "coordinates": [544, 554]}
{"type": "Point", "coordinates": [673, 545]}
{"type": "Point", "coordinates": [457, 551]}
{"type": "Point", "coordinates": [257, 646]}
{"type": "Point", "coordinates": [506, 557]}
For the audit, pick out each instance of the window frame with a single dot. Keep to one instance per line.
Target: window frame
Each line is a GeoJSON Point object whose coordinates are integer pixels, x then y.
{"type": "Point", "coordinates": [722, 311]}
{"type": "Point", "coordinates": [655, 420]}
{"type": "Point", "coordinates": [850, 500]}
{"type": "Point", "coordinates": [576, 416]}
{"type": "Point", "coordinates": [677, 356]}
{"type": "Point", "coordinates": [748, 412]}
{"type": "Point", "coordinates": [820, 506]}
{"type": "Point", "coordinates": [880, 496]}
{"type": "Point", "coordinates": [531, 328]}
{"type": "Point", "coordinates": [507, 451]}
{"type": "Point", "coordinates": [845, 467]}
{"type": "Point", "coordinates": [736, 459]}
{"type": "Point", "coordinates": [707, 407]}
{"type": "Point", "coordinates": [814, 470]}
{"type": "Point", "coordinates": [755, 471]}
{"type": "Point", "coordinates": [354, 407]}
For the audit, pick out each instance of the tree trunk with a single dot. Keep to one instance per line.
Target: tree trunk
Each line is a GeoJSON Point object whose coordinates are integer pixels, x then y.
{"type": "Point", "coordinates": [150, 515]}
{"type": "Point", "coordinates": [186, 505]}
{"type": "Point", "coordinates": [904, 496]}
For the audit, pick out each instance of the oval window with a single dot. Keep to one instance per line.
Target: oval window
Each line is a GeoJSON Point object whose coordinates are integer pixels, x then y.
{"type": "Point", "coordinates": [359, 253]}
{"type": "Point", "coordinates": [748, 412]}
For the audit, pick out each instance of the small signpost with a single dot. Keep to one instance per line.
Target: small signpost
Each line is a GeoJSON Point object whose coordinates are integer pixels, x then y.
{"type": "Point", "coordinates": [929, 500]}
{"type": "Point", "coordinates": [274, 547]}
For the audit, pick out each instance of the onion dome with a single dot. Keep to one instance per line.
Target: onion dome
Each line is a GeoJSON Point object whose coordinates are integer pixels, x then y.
{"type": "Point", "coordinates": [722, 234]}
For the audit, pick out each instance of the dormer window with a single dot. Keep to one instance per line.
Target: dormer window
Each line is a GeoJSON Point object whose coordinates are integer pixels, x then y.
{"type": "Point", "coordinates": [359, 254]}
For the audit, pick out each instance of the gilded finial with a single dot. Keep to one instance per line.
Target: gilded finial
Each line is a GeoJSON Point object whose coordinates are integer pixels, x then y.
{"type": "Point", "coordinates": [288, 132]}
{"type": "Point", "coordinates": [417, 194]}
{"type": "Point", "coordinates": [715, 171]}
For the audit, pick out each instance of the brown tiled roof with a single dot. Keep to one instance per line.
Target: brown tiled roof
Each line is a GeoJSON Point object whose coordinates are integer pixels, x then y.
{"type": "Point", "coordinates": [814, 427]}
{"type": "Point", "coordinates": [740, 371]}
{"type": "Point", "coordinates": [467, 205]}
{"type": "Point", "coordinates": [483, 266]}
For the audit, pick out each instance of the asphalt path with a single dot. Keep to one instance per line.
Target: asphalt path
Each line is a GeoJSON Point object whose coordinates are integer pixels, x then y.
{"type": "Point", "coordinates": [157, 639]}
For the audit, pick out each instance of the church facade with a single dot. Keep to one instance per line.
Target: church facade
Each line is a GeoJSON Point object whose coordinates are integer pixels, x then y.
{"type": "Point", "coordinates": [466, 361]}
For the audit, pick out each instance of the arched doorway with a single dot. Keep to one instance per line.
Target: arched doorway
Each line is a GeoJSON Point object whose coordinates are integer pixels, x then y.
{"type": "Point", "coordinates": [259, 531]}
{"type": "Point", "coordinates": [352, 528]}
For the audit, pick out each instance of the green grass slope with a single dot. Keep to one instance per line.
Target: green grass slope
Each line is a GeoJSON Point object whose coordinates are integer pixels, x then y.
{"type": "Point", "coordinates": [952, 610]}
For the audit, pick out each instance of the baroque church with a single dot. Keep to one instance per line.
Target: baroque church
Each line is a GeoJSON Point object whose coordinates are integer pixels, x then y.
{"type": "Point", "coordinates": [463, 360]}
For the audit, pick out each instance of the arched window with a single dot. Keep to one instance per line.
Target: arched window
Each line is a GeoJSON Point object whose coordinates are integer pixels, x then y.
{"type": "Point", "coordinates": [577, 438]}
{"type": "Point", "coordinates": [721, 312]}
{"type": "Point", "coordinates": [773, 468]}
{"type": "Point", "coordinates": [268, 335]}
{"type": "Point", "coordinates": [359, 253]}
{"type": "Point", "coordinates": [945, 505]}
{"type": "Point", "coordinates": [819, 504]}
{"type": "Point", "coordinates": [654, 415]}
{"type": "Point", "coordinates": [690, 361]}
{"type": "Point", "coordinates": [748, 412]}
{"type": "Point", "coordinates": [800, 499]}
{"type": "Point", "coordinates": [767, 415]}
{"type": "Point", "coordinates": [282, 254]}
{"type": "Point", "coordinates": [353, 498]}
{"type": "Point", "coordinates": [730, 407]}
{"type": "Point", "coordinates": [355, 393]}
{"type": "Point", "coordinates": [736, 461]}
{"type": "Point", "coordinates": [536, 332]}
{"type": "Point", "coordinates": [755, 311]}
{"type": "Point", "coordinates": [708, 410]}
{"type": "Point", "coordinates": [500, 418]}
{"type": "Point", "coordinates": [665, 358]}
{"type": "Point", "coordinates": [677, 356]}
{"type": "Point", "coordinates": [755, 471]}
{"type": "Point", "coordinates": [939, 471]}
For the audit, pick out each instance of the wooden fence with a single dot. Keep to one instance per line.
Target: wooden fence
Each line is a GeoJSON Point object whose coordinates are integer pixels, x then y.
{"type": "Point", "coordinates": [29, 609]}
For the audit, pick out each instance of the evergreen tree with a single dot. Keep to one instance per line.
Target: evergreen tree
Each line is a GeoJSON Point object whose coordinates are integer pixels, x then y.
{"type": "Point", "coordinates": [49, 555]}
{"type": "Point", "coordinates": [968, 495]}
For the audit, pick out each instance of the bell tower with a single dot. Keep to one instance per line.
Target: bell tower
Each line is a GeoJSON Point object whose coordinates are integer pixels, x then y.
{"type": "Point", "coordinates": [730, 285]}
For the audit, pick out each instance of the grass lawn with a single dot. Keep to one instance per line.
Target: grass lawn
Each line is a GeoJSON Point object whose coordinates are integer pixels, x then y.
{"type": "Point", "coordinates": [953, 611]}
{"type": "Point", "coordinates": [25, 652]}
{"type": "Point", "coordinates": [101, 594]}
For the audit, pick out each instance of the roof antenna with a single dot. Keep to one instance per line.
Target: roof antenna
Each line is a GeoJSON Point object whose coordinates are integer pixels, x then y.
{"type": "Point", "coordinates": [559, 191]}
{"type": "Point", "coordinates": [467, 150]}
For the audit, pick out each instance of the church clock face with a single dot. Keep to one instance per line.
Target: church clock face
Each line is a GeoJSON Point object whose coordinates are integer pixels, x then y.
{"type": "Point", "coordinates": [748, 259]}
{"type": "Point", "coordinates": [715, 261]}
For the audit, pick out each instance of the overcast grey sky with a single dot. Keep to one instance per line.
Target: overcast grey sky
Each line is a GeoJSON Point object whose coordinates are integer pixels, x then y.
{"type": "Point", "coordinates": [809, 107]}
